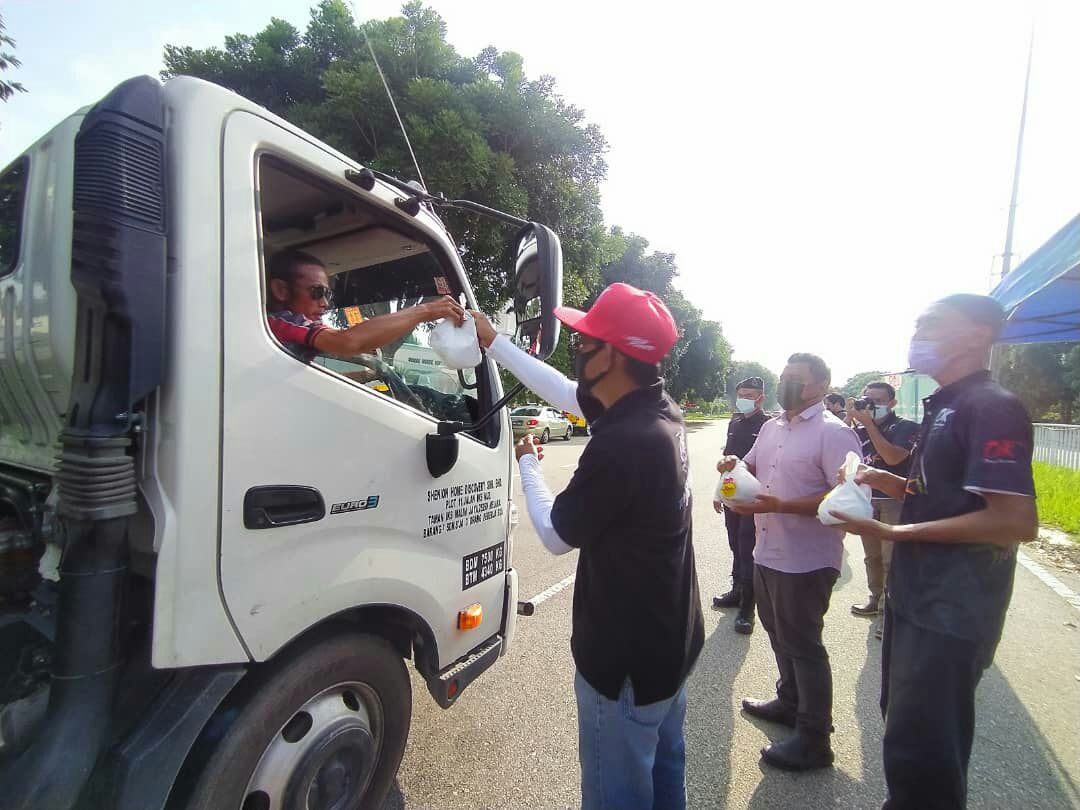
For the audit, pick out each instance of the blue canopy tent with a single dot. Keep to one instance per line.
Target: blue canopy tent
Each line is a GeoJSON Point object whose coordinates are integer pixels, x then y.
{"type": "Point", "coordinates": [1042, 295]}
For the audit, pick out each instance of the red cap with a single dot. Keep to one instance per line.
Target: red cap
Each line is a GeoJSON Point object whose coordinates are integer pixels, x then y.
{"type": "Point", "coordinates": [634, 321]}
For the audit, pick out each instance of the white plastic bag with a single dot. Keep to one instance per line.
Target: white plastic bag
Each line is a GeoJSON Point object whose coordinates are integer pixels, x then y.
{"type": "Point", "coordinates": [737, 487]}
{"type": "Point", "coordinates": [456, 346]}
{"type": "Point", "coordinates": [850, 498]}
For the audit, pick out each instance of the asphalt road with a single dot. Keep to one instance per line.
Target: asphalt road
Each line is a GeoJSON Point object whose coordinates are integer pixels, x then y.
{"type": "Point", "coordinates": [511, 741]}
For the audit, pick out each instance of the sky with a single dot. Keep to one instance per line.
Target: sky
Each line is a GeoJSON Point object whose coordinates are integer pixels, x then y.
{"type": "Point", "coordinates": [822, 171]}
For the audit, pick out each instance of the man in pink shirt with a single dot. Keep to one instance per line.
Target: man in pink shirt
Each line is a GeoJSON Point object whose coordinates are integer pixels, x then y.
{"type": "Point", "coordinates": [797, 457]}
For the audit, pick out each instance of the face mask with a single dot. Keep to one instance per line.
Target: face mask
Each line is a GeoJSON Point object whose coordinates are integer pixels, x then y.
{"type": "Point", "coordinates": [880, 412]}
{"type": "Point", "coordinates": [581, 360]}
{"type": "Point", "coordinates": [745, 405]}
{"type": "Point", "coordinates": [790, 394]}
{"type": "Point", "coordinates": [925, 356]}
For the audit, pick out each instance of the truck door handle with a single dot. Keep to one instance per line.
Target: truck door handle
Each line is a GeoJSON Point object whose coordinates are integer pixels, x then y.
{"type": "Point", "coordinates": [282, 505]}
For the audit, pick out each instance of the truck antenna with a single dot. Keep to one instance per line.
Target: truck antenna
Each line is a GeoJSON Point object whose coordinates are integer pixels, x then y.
{"type": "Point", "coordinates": [389, 95]}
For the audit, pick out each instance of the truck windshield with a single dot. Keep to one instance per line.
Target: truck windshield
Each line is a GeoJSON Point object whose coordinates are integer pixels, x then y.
{"type": "Point", "coordinates": [374, 269]}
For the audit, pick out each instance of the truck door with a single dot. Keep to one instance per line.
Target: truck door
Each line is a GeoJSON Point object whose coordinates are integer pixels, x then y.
{"type": "Point", "coordinates": [327, 502]}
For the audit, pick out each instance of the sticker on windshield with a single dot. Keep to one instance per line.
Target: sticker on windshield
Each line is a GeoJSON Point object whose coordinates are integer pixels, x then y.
{"type": "Point", "coordinates": [481, 565]}
{"type": "Point", "coordinates": [441, 286]}
{"type": "Point", "coordinates": [353, 315]}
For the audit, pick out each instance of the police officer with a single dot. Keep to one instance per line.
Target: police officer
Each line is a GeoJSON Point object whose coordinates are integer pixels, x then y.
{"type": "Point", "coordinates": [741, 434]}
{"type": "Point", "coordinates": [968, 502]}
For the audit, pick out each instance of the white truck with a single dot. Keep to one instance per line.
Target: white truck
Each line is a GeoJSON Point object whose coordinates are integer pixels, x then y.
{"type": "Point", "coordinates": [215, 558]}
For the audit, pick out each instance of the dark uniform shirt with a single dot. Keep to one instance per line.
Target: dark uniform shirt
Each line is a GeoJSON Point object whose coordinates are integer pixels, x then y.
{"type": "Point", "coordinates": [975, 437]}
{"type": "Point", "coordinates": [742, 432]}
{"type": "Point", "coordinates": [901, 432]}
{"type": "Point", "coordinates": [637, 612]}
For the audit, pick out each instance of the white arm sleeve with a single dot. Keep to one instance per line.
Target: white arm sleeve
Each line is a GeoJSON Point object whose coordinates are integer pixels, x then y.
{"type": "Point", "coordinates": [538, 501]}
{"type": "Point", "coordinates": [537, 375]}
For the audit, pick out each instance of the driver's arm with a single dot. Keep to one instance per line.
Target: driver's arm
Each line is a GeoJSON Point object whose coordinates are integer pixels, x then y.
{"type": "Point", "coordinates": [552, 386]}
{"type": "Point", "coordinates": [374, 333]}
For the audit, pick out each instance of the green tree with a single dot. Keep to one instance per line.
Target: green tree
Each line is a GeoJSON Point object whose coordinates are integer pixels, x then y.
{"type": "Point", "coordinates": [480, 127]}
{"type": "Point", "coordinates": [742, 369]}
{"type": "Point", "coordinates": [8, 60]}
{"type": "Point", "coordinates": [1046, 377]}
{"type": "Point", "coordinates": [857, 382]}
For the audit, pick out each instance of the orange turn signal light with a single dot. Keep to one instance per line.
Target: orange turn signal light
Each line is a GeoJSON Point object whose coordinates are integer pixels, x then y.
{"type": "Point", "coordinates": [470, 617]}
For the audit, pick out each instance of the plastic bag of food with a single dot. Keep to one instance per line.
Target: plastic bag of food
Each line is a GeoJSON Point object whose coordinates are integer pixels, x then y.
{"type": "Point", "coordinates": [456, 346]}
{"type": "Point", "coordinates": [850, 498]}
{"type": "Point", "coordinates": [737, 486]}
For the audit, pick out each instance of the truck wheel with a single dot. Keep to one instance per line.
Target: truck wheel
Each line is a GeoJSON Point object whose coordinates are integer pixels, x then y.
{"type": "Point", "coordinates": [323, 730]}
{"type": "Point", "coordinates": [545, 437]}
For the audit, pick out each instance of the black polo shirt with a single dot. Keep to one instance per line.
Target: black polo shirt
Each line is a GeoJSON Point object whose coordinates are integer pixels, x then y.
{"type": "Point", "coordinates": [975, 437]}
{"type": "Point", "coordinates": [898, 431]}
{"type": "Point", "coordinates": [637, 612]}
{"type": "Point", "coordinates": [742, 432]}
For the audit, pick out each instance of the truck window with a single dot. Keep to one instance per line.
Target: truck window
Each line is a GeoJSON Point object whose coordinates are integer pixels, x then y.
{"type": "Point", "coordinates": [12, 195]}
{"type": "Point", "coordinates": [374, 269]}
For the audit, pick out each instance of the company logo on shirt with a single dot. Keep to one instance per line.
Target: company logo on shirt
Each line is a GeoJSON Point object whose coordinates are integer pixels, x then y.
{"type": "Point", "coordinates": [942, 417]}
{"type": "Point", "coordinates": [1000, 451]}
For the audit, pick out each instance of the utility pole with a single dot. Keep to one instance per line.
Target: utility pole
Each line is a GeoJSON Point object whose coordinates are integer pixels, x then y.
{"type": "Point", "coordinates": [1006, 257]}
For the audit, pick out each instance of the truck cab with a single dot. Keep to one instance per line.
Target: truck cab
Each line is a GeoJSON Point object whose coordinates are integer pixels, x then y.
{"type": "Point", "coordinates": [216, 554]}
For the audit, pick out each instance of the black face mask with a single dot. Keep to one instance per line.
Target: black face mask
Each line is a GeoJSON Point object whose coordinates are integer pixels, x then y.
{"type": "Point", "coordinates": [581, 359]}
{"type": "Point", "coordinates": [790, 394]}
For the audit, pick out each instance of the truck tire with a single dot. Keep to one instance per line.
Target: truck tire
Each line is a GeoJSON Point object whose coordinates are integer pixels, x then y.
{"type": "Point", "coordinates": [325, 728]}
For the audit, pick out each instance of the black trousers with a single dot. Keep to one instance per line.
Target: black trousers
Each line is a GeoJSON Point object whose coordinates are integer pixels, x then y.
{"type": "Point", "coordinates": [792, 608]}
{"type": "Point", "coordinates": [741, 537]}
{"type": "Point", "coordinates": [928, 685]}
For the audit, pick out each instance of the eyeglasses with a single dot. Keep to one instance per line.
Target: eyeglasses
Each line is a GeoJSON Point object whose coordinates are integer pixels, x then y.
{"type": "Point", "coordinates": [581, 344]}
{"type": "Point", "coordinates": [319, 291]}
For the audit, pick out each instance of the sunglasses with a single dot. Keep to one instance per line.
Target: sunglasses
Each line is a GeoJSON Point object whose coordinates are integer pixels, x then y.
{"type": "Point", "coordinates": [582, 344]}
{"type": "Point", "coordinates": [319, 291]}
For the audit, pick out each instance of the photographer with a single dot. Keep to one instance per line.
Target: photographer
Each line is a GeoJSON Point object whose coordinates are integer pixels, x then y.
{"type": "Point", "coordinates": [886, 445]}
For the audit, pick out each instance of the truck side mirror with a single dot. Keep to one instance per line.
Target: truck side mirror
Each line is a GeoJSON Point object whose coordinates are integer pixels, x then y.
{"type": "Point", "coordinates": [537, 288]}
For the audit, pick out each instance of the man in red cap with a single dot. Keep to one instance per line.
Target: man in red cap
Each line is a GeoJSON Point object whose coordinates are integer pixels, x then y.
{"type": "Point", "coordinates": [637, 618]}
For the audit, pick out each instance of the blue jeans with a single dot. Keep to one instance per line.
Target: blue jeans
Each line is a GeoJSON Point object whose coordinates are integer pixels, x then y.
{"type": "Point", "coordinates": [632, 757]}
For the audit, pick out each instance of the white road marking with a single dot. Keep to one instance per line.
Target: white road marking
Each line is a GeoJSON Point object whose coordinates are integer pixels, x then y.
{"type": "Point", "coordinates": [543, 596]}
{"type": "Point", "coordinates": [1048, 579]}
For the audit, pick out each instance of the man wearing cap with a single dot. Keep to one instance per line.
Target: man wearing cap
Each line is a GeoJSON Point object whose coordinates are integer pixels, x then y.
{"type": "Point", "coordinates": [968, 502]}
{"type": "Point", "coordinates": [637, 623]}
{"type": "Point", "coordinates": [797, 560]}
{"type": "Point", "coordinates": [741, 434]}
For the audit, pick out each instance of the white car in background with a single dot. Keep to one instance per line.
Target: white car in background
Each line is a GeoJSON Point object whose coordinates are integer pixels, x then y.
{"type": "Point", "coordinates": [540, 421]}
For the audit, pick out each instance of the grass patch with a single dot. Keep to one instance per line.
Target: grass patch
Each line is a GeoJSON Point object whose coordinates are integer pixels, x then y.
{"type": "Point", "coordinates": [1058, 491]}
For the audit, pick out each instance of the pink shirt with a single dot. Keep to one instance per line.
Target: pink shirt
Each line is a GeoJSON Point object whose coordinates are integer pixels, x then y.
{"type": "Point", "coordinates": [792, 460]}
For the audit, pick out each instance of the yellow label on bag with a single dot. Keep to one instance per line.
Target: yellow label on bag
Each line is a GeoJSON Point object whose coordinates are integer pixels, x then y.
{"type": "Point", "coordinates": [727, 487]}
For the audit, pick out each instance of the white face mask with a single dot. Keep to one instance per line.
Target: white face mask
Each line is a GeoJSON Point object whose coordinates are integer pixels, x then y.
{"type": "Point", "coordinates": [745, 405]}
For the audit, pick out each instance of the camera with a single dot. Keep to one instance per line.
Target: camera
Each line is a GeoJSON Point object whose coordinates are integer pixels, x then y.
{"type": "Point", "coordinates": [864, 404]}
